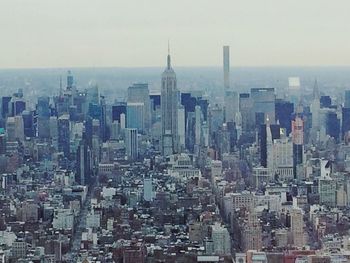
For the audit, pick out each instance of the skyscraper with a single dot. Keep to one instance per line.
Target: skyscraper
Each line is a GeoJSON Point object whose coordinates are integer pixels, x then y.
{"type": "Point", "coordinates": [345, 121]}
{"type": "Point", "coordinates": [231, 105]}
{"type": "Point", "coordinates": [264, 103]}
{"type": "Point", "coordinates": [283, 114]}
{"type": "Point", "coordinates": [64, 135]}
{"type": "Point", "coordinates": [139, 93]}
{"type": "Point", "coordinates": [135, 112]}
{"type": "Point", "coordinates": [347, 99]}
{"type": "Point", "coordinates": [315, 108]}
{"type": "Point", "coordinates": [181, 126]}
{"type": "Point", "coordinates": [226, 62]}
{"type": "Point", "coordinates": [131, 144]}
{"type": "Point", "coordinates": [83, 165]}
{"type": "Point", "coordinates": [117, 110]}
{"type": "Point", "coordinates": [70, 80]}
{"type": "Point", "coordinates": [28, 123]}
{"type": "Point", "coordinates": [198, 127]}
{"type": "Point", "coordinates": [169, 105]}
{"type": "Point", "coordinates": [297, 227]}
{"type": "Point", "coordinates": [43, 111]}
{"type": "Point", "coordinates": [298, 142]}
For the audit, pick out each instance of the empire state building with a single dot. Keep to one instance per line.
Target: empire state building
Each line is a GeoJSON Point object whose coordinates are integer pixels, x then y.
{"type": "Point", "coordinates": [169, 106]}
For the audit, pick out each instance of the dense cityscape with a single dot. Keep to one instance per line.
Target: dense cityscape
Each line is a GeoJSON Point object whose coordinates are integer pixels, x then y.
{"type": "Point", "coordinates": [259, 176]}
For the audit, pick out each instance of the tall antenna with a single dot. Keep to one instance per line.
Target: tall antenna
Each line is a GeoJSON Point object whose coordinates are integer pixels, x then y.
{"type": "Point", "coordinates": [168, 58]}
{"type": "Point", "coordinates": [168, 47]}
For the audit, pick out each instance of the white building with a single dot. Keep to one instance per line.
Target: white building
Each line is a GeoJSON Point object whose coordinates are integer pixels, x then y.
{"type": "Point", "coordinates": [221, 240]}
{"type": "Point", "coordinates": [93, 220]}
{"type": "Point", "coordinates": [280, 158]}
{"type": "Point", "coordinates": [63, 219]}
{"type": "Point", "coordinates": [148, 193]}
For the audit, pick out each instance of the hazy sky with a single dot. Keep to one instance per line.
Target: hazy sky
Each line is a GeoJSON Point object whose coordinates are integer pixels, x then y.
{"type": "Point", "coordinates": [92, 33]}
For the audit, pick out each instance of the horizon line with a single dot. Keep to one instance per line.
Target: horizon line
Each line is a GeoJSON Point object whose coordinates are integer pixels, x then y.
{"type": "Point", "coordinates": [157, 67]}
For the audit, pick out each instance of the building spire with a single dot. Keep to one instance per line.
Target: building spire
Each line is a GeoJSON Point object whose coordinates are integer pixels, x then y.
{"type": "Point", "coordinates": [168, 58]}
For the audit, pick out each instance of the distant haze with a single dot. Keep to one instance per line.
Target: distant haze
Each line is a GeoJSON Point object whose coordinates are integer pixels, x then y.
{"type": "Point", "coordinates": [129, 33]}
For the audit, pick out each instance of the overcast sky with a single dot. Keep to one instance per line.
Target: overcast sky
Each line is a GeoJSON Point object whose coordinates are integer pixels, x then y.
{"type": "Point", "coordinates": [128, 33]}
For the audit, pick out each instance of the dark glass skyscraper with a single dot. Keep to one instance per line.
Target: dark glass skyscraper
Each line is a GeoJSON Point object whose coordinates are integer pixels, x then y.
{"type": "Point", "coordinates": [64, 135]}
{"type": "Point", "coordinates": [333, 125]}
{"type": "Point", "coordinates": [43, 113]}
{"type": "Point", "coordinates": [5, 107]}
{"type": "Point", "coordinates": [284, 111]}
{"type": "Point", "coordinates": [345, 120]}
{"type": "Point", "coordinates": [117, 110]}
{"type": "Point", "coordinates": [28, 123]}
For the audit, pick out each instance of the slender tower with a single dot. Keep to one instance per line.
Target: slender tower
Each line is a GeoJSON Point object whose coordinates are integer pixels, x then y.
{"type": "Point", "coordinates": [315, 110]}
{"type": "Point", "coordinates": [226, 62]}
{"type": "Point", "coordinates": [169, 106]}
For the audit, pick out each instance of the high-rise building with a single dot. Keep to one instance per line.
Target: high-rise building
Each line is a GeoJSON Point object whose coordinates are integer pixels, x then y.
{"type": "Point", "coordinates": [345, 121]}
{"type": "Point", "coordinates": [169, 105]}
{"type": "Point", "coordinates": [96, 142]}
{"type": "Point", "coordinates": [181, 127]}
{"type": "Point", "coordinates": [70, 80]}
{"type": "Point", "coordinates": [117, 110]}
{"type": "Point", "coordinates": [252, 237]}
{"type": "Point", "coordinates": [198, 124]}
{"type": "Point", "coordinates": [155, 107]}
{"type": "Point", "coordinates": [267, 133]}
{"type": "Point", "coordinates": [43, 112]}
{"type": "Point", "coordinates": [333, 125]}
{"type": "Point", "coordinates": [280, 158]}
{"type": "Point", "coordinates": [298, 142]}
{"type": "Point", "coordinates": [135, 116]}
{"type": "Point", "coordinates": [53, 123]}
{"type": "Point", "coordinates": [246, 110]}
{"type": "Point", "coordinates": [148, 194]}
{"type": "Point", "coordinates": [297, 227]}
{"type": "Point", "coordinates": [28, 123]}
{"type": "Point", "coordinates": [216, 118]}
{"type": "Point", "coordinates": [64, 135]}
{"type": "Point", "coordinates": [284, 111]}
{"type": "Point", "coordinates": [139, 93]}
{"type": "Point", "coordinates": [93, 94]}
{"type": "Point", "coordinates": [5, 106]}
{"type": "Point", "coordinates": [327, 189]}
{"type": "Point", "coordinates": [131, 144]}
{"type": "Point", "coordinates": [347, 99]}
{"type": "Point", "coordinates": [315, 110]}
{"type": "Point", "coordinates": [325, 101]}
{"type": "Point", "coordinates": [15, 128]}
{"type": "Point", "coordinates": [18, 105]}
{"type": "Point", "coordinates": [221, 240]}
{"type": "Point", "coordinates": [226, 64]}
{"type": "Point", "coordinates": [231, 105]}
{"type": "Point", "coordinates": [84, 163]}
{"type": "Point", "coordinates": [298, 130]}
{"type": "Point", "coordinates": [263, 104]}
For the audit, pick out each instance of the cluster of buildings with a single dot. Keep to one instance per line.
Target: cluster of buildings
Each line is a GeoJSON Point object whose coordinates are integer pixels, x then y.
{"type": "Point", "coordinates": [176, 176]}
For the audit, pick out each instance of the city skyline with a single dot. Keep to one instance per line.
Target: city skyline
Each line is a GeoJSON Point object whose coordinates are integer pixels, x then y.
{"type": "Point", "coordinates": [218, 163]}
{"type": "Point", "coordinates": [134, 34]}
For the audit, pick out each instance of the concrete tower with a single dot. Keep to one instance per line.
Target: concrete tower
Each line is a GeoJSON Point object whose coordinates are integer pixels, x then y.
{"type": "Point", "coordinates": [315, 108]}
{"type": "Point", "coordinates": [169, 106]}
{"type": "Point", "coordinates": [226, 55]}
